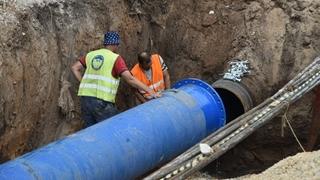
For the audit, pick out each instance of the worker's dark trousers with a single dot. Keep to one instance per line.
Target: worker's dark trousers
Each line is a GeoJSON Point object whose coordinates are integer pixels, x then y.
{"type": "Point", "coordinates": [95, 110]}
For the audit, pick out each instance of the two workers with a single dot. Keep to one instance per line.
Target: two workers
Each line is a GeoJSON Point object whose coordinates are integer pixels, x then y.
{"type": "Point", "coordinates": [103, 70]}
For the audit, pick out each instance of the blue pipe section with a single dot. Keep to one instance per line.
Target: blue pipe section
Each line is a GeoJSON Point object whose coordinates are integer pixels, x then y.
{"type": "Point", "coordinates": [130, 144]}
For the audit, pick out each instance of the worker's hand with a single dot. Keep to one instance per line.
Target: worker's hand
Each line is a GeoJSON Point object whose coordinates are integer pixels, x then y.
{"type": "Point", "coordinates": [154, 95]}
{"type": "Point", "coordinates": [157, 95]}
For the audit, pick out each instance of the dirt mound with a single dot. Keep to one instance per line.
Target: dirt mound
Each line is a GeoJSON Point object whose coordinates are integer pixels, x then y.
{"type": "Point", "coordinates": [300, 166]}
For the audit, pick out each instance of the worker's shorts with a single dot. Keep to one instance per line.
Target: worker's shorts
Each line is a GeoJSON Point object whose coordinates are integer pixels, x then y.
{"type": "Point", "coordinates": [96, 110]}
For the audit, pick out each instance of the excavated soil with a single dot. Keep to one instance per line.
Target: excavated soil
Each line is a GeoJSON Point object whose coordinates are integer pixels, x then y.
{"type": "Point", "coordinates": [300, 166]}
{"type": "Point", "coordinates": [39, 40]}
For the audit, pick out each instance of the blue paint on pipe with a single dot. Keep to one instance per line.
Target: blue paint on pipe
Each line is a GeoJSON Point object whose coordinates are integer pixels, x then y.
{"type": "Point", "coordinates": [130, 144]}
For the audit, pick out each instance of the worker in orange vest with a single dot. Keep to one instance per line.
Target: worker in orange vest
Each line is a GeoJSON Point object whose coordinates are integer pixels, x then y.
{"type": "Point", "coordinates": [153, 72]}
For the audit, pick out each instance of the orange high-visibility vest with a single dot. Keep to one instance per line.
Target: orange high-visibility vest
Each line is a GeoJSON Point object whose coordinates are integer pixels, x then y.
{"type": "Point", "coordinates": [157, 82]}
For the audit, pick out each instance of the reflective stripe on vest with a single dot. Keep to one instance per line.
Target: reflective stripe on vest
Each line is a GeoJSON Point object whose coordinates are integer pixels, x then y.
{"type": "Point", "coordinates": [156, 82]}
{"type": "Point", "coordinates": [154, 86]}
{"type": "Point", "coordinates": [101, 88]}
{"type": "Point", "coordinates": [98, 80]}
{"type": "Point", "coordinates": [99, 77]}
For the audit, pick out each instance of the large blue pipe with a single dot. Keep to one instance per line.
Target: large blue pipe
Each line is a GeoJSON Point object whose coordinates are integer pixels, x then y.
{"type": "Point", "coordinates": [130, 144]}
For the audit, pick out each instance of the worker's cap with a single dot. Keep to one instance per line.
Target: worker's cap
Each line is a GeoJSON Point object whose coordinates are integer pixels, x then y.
{"type": "Point", "coordinates": [111, 38]}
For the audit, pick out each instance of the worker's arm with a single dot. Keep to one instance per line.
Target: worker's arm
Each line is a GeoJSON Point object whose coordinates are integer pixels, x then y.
{"type": "Point", "coordinates": [166, 78]}
{"type": "Point", "coordinates": [127, 76]}
{"type": "Point", "coordinates": [76, 69]}
{"type": "Point", "coordinates": [140, 96]}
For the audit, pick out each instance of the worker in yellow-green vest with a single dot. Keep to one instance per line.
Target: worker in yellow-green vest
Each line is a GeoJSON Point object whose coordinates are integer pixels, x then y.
{"type": "Point", "coordinates": [100, 82]}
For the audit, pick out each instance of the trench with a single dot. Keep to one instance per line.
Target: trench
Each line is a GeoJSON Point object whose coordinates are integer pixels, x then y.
{"type": "Point", "coordinates": [49, 37]}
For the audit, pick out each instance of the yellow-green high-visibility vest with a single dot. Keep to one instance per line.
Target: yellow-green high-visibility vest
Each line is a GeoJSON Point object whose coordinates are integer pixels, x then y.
{"type": "Point", "coordinates": [98, 80]}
